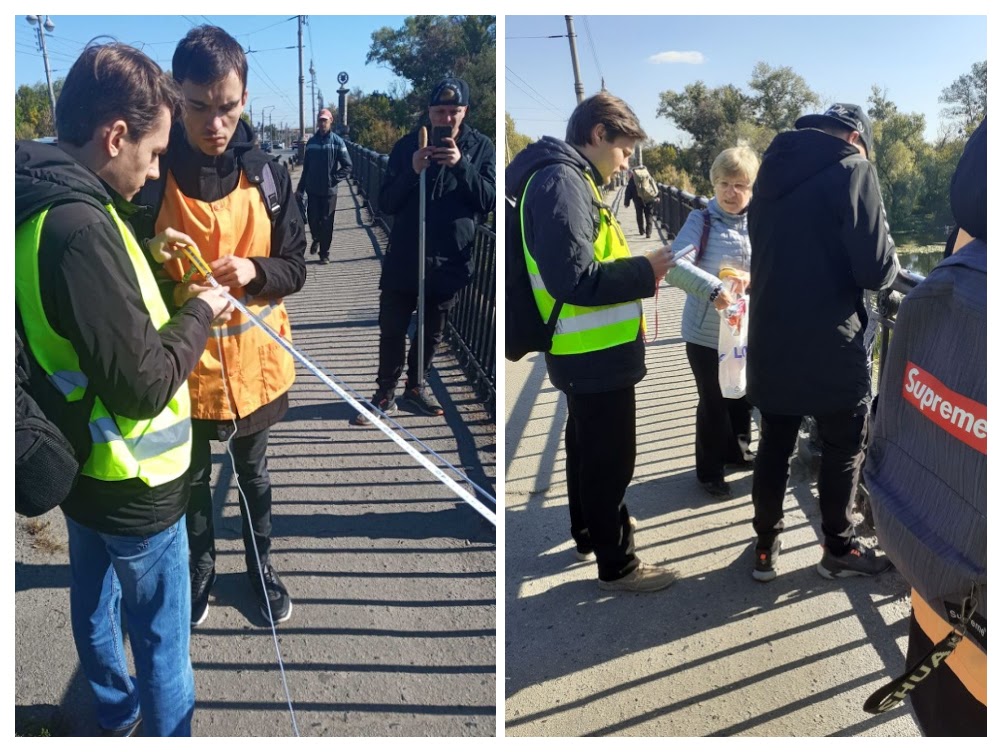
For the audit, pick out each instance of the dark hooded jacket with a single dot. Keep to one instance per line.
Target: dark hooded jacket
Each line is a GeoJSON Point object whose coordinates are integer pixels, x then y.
{"type": "Point", "coordinates": [134, 369]}
{"type": "Point", "coordinates": [820, 237]}
{"type": "Point", "coordinates": [457, 198]}
{"type": "Point", "coordinates": [325, 165]}
{"type": "Point", "coordinates": [561, 225]}
{"type": "Point", "coordinates": [209, 178]}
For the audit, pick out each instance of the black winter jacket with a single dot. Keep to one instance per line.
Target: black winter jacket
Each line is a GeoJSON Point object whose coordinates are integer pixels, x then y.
{"type": "Point", "coordinates": [325, 165]}
{"type": "Point", "coordinates": [131, 366]}
{"type": "Point", "coordinates": [208, 178]}
{"type": "Point", "coordinates": [561, 224]}
{"type": "Point", "coordinates": [456, 199]}
{"type": "Point", "coordinates": [819, 232]}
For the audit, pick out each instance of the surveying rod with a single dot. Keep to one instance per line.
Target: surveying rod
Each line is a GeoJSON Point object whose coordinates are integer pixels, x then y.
{"type": "Point", "coordinates": [422, 142]}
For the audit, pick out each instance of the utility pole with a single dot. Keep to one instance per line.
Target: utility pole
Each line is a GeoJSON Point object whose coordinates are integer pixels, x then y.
{"type": "Point", "coordinates": [41, 28]}
{"type": "Point", "coordinates": [302, 87]}
{"type": "Point", "coordinates": [578, 86]}
{"type": "Point", "coordinates": [313, 89]}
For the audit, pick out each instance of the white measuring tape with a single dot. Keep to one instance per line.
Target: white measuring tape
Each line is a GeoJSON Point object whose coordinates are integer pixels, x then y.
{"type": "Point", "coordinates": [198, 262]}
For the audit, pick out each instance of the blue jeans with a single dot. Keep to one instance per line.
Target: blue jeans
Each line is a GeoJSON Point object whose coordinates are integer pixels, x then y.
{"type": "Point", "coordinates": [147, 578]}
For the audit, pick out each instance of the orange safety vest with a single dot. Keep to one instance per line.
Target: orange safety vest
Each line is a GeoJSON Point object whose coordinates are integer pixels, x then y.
{"type": "Point", "coordinates": [967, 662]}
{"type": "Point", "coordinates": [258, 370]}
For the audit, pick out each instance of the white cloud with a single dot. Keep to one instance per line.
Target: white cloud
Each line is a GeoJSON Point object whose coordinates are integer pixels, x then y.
{"type": "Point", "coordinates": [674, 56]}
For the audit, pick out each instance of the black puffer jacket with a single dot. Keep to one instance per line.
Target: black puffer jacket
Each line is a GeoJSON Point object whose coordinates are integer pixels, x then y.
{"type": "Point", "coordinates": [561, 224]}
{"type": "Point", "coordinates": [207, 178]}
{"type": "Point", "coordinates": [457, 198]}
{"type": "Point", "coordinates": [134, 369]}
{"type": "Point", "coordinates": [820, 237]}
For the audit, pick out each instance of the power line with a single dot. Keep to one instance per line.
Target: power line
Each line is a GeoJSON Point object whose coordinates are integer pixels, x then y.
{"type": "Point", "coordinates": [548, 36]}
{"type": "Point", "coordinates": [514, 84]}
{"type": "Point", "coordinates": [539, 97]}
{"type": "Point", "coordinates": [594, 52]}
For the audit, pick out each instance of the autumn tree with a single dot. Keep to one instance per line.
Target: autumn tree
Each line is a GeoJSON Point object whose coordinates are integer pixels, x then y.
{"type": "Point", "coordinates": [514, 141]}
{"type": "Point", "coordinates": [967, 98]}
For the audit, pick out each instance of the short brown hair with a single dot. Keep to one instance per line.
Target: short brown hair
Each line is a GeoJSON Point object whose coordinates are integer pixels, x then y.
{"type": "Point", "coordinates": [109, 82]}
{"type": "Point", "coordinates": [610, 111]}
{"type": "Point", "coordinates": [207, 54]}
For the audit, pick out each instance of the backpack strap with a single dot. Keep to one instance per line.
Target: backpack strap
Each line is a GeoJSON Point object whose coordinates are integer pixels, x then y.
{"type": "Point", "coordinates": [704, 238]}
{"type": "Point", "coordinates": [269, 192]}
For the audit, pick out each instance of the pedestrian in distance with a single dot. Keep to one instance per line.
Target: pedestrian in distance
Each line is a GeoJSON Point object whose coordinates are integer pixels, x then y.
{"type": "Point", "coordinates": [111, 369]}
{"type": "Point", "coordinates": [817, 223]}
{"type": "Point", "coordinates": [578, 259]}
{"type": "Point", "coordinates": [239, 208]}
{"type": "Point", "coordinates": [459, 166]}
{"type": "Point", "coordinates": [720, 233]}
{"type": "Point", "coordinates": [325, 164]}
{"type": "Point", "coordinates": [643, 204]}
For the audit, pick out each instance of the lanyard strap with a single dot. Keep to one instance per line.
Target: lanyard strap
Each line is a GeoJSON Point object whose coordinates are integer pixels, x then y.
{"type": "Point", "coordinates": [896, 690]}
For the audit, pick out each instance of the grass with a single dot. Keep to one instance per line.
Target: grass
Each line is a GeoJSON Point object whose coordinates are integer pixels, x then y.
{"type": "Point", "coordinates": [41, 536]}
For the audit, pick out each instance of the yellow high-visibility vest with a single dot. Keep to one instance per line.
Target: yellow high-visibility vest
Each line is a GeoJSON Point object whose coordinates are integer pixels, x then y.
{"type": "Point", "coordinates": [582, 329]}
{"type": "Point", "coordinates": [157, 450]}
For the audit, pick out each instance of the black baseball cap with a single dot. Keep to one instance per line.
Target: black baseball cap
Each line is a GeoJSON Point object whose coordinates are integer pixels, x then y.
{"type": "Point", "coordinates": [452, 91]}
{"type": "Point", "coordinates": [850, 116]}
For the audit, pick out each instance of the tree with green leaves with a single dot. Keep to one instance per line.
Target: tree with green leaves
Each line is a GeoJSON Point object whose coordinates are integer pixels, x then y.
{"type": "Point", "coordinates": [377, 120]}
{"type": "Point", "coordinates": [33, 111]}
{"type": "Point", "coordinates": [514, 141]}
{"type": "Point", "coordinates": [781, 96]}
{"type": "Point", "coordinates": [967, 98]}
{"type": "Point", "coordinates": [428, 48]}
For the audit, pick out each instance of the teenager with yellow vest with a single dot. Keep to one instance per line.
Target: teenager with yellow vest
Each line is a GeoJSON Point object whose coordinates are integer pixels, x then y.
{"type": "Point", "coordinates": [577, 256]}
{"type": "Point", "coordinates": [211, 188]}
{"type": "Point", "coordinates": [110, 369]}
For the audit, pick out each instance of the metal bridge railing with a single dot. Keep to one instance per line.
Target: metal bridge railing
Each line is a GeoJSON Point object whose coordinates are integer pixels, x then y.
{"type": "Point", "coordinates": [471, 326]}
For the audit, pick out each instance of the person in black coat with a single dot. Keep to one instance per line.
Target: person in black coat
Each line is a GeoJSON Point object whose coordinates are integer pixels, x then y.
{"type": "Point", "coordinates": [820, 237]}
{"type": "Point", "coordinates": [325, 164]}
{"type": "Point", "coordinates": [645, 211]}
{"type": "Point", "coordinates": [460, 192]}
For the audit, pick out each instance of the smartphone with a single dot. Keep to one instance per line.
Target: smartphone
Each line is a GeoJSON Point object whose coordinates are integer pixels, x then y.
{"type": "Point", "coordinates": [438, 135]}
{"type": "Point", "coordinates": [683, 252]}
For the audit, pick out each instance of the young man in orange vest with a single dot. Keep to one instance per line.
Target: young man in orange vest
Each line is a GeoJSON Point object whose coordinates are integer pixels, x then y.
{"type": "Point", "coordinates": [214, 186]}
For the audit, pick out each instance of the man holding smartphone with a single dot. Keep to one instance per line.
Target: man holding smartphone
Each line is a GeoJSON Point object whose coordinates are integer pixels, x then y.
{"type": "Point", "coordinates": [459, 191]}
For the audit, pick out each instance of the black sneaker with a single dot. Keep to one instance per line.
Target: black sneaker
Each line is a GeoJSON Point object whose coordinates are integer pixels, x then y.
{"type": "Point", "coordinates": [765, 561]}
{"type": "Point", "coordinates": [325, 259]}
{"type": "Point", "coordinates": [718, 489]}
{"type": "Point", "coordinates": [858, 561]}
{"type": "Point", "coordinates": [129, 730]}
{"type": "Point", "coordinates": [422, 400]}
{"type": "Point", "coordinates": [278, 597]}
{"type": "Point", "coordinates": [385, 402]}
{"type": "Point", "coordinates": [201, 584]}
{"type": "Point", "coordinates": [315, 248]}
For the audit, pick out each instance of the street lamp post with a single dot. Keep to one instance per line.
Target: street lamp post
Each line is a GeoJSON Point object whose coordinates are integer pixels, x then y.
{"type": "Point", "coordinates": [41, 28]}
{"type": "Point", "coordinates": [263, 111]}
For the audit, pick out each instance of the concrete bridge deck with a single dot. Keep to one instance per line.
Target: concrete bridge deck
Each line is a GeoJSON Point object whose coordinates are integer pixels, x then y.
{"type": "Point", "coordinates": [391, 576]}
{"type": "Point", "coordinates": [717, 654]}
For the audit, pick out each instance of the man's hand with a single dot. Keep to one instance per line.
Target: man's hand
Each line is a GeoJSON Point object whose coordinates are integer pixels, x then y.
{"type": "Point", "coordinates": [222, 308]}
{"type": "Point", "coordinates": [661, 261]}
{"type": "Point", "coordinates": [422, 158]}
{"type": "Point", "coordinates": [449, 155]}
{"type": "Point", "coordinates": [233, 271]}
{"type": "Point", "coordinates": [168, 244]}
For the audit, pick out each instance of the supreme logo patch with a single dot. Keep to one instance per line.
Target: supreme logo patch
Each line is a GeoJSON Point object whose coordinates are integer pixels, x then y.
{"type": "Point", "coordinates": [959, 416]}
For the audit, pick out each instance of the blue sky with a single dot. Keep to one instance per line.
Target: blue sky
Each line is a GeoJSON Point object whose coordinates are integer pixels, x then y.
{"type": "Point", "coordinates": [335, 43]}
{"type": "Point", "coordinates": [840, 57]}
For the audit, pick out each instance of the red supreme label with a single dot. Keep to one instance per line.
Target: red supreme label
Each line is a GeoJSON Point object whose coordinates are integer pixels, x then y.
{"type": "Point", "coordinates": [959, 416]}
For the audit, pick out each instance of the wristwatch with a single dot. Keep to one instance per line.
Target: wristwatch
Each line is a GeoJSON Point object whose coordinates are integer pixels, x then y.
{"type": "Point", "coordinates": [716, 292]}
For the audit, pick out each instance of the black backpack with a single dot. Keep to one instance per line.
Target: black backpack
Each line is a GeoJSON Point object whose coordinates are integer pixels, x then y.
{"type": "Point", "coordinates": [45, 465]}
{"type": "Point", "coordinates": [525, 330]}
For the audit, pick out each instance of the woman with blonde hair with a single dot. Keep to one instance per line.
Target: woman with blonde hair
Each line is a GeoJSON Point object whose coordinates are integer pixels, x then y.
{"type": "Point", "coordinates": [720, 234]}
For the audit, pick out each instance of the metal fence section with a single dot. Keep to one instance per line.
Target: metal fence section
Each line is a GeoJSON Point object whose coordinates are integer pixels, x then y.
{"type": "Point", "coordinates": [471, 327]}
{"type": "Point", "coordinates": [674, 206]}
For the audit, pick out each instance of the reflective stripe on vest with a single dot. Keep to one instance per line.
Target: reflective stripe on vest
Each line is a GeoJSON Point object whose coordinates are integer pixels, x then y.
{"type": "Point", "coordinates": [582, 329]}
{"type": "Point", "coordinates": [156, 450]}
{"type": "Point", "coordinates": [257, 369]}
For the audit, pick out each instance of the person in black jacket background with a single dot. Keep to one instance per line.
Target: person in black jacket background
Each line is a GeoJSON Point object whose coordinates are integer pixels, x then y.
{"type": "Point", "coordinates": [325, 165]}
{"type": "Point", "coordinates": [645, 211]}
{"type": "Point", "coordinates": [460, 192]}
{"type": "Point", "coordinates": [819, 230]}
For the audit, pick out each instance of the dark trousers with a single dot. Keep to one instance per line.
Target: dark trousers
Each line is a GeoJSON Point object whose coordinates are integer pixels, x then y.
{"type": "Point", "coordinates": [250, 455]}
{"type": "Point", "coordinates": [320, 215]}
{"type": "Point", "coordinates": [841, 458]}
{"type": "Point", "coordinates": [395, 309]}
{"type": "Point", "coordinates": [644, 219]}
{"type": "Point", "coordinates": [601, 445]}
{"type": "Point", "coordinates": [943, 705]}
{"type": "Point", "coordinates": [723, 426]}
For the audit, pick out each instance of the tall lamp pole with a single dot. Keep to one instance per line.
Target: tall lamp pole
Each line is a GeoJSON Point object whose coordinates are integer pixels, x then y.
{"type": "Point", "coordinates": [41, 28]}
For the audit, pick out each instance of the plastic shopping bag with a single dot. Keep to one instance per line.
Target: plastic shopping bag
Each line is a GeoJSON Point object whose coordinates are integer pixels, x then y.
{"type": "Point", "coordinates": [732, 342]}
